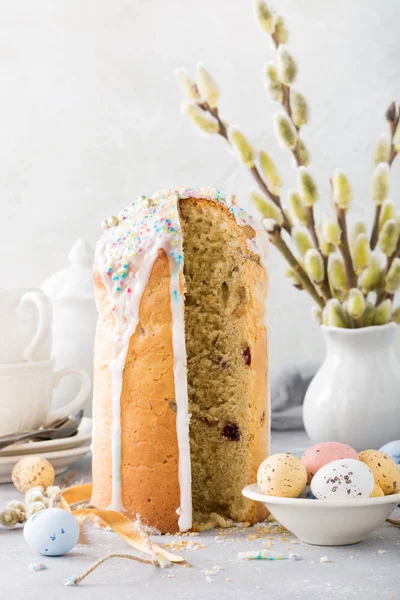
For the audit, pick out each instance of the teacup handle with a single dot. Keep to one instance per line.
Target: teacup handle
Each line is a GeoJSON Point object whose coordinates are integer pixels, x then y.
{"type": "Point", "coordinates": [44, 308]}
{"type": "Point", "coordinates": [79, 399]}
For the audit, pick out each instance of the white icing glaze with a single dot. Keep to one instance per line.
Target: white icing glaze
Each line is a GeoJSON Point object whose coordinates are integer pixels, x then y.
{"type": "Point", "coordinates": [124, 259]}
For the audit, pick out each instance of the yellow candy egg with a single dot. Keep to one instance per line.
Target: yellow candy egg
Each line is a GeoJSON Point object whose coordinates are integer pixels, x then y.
{"type": "Point", "coordinates": [384, 469]}
{"type": "Point", "coordinates": [376, 492]}
{"type": "Point", "coordinates": [32, 471]}
{"type": "Point", "coordinates": [282, 475]}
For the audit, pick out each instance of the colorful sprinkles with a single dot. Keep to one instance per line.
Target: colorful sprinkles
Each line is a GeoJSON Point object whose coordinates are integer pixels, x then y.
{"type": "Point", "coordinates": [151, 222]}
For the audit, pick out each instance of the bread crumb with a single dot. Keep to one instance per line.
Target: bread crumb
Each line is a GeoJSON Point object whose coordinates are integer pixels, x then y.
{"type": "Point", "coordinates": [381, 551]}
{"type": "Point", "coordinates": [324, 559]}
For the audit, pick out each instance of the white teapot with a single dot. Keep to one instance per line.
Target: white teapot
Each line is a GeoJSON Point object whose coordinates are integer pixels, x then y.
{"type": "Point", "coordinates": [71, 293]}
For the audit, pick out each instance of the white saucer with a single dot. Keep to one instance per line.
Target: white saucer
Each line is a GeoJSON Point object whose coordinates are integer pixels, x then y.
{"type": "Point", "coordinates": [83, 436]}
{"type": "Point", "coordinates": [60, 460]}
{"type": "Point", "coordinates": [327, 522]}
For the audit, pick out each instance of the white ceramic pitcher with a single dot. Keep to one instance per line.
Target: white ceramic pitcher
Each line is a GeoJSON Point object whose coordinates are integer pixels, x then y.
{"type": "Point", "coordinates": [355, 395]}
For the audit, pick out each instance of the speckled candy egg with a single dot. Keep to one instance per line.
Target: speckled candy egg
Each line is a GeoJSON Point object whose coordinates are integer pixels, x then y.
{"type": "Point", "coordinates": [377, 492]}
{"type": "Point", "coordinates": [392, 449]}
{"type": "Point", "coordinates": [52, 532]}
{"type": "Point", "coordinates": [32, 471]}
{"type": "Point", "coordinates": [282, 475]}
{"type": "Point", "coordinates": [321, 454]}
{"type": "Point", "coordinates": [343, 480]}
{"type": "Point", "coordinates": [384, 469]}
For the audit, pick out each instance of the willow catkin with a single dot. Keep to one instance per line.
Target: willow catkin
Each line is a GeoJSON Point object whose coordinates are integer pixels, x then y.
{"type": "Point", "coordinates": [187, 86]}
{"type": "Point", "coordinates": [337, 273]}
{"type": "Point", "coordinates": [274, 85]}
{"type": "Point", "coordinates": [383, 312]}
{"type": "Point", "coordinates": [314, 265]}
{"type": "Point", "coordinates": [303, 154]}
{"type": "Point", "coordinates": [243, 147]}
{"type": "Point", "coordinates": [207, 87]}
{"type": "Point", "coordinates": [307, 187]}
{"type": "Point", "coordinates": [296, 208]}
{"type": "Point", "coordinates": [299, 108]}
{"type": "Point", "coordinates": [380, 183]}
{"type": "Point", "coordinates": [201, 119]}
{"type": "Point", "coordinates": [302, 239]}
{"type": "Point", "coordinates": [355, 303]}
{"type": "Point", "coordinates": [264, 16]}
{"type": "Point", "coordinates": [270, 172]}
{"type": "Point", "coordinates": [388, 237]}
{"type": "Point", "coordinates": [361, 253]}
{"type": "Point", "coordinates": [342, 194]}
{"type": "Point", "coordinates": [369, 314]}
{"type": "Point", "coordinates": [287, 67]}
{"type": "Point", "coordinates": [370, 277]}
{"type": "Point", "coordinates": [325, 247]}
{"type": "Point", "coordinates": [335, 315]}
{"type": "Point", "coordinates": [392, 282]}
{"type": "Point", "coordinates": [330, 231]}
{"type": "Point", "coordinates": [285, 130]}
{"type": "Point", "coordinates": [281, 31]}
{"type": "Point", "coordinates": [266, 208]}
{"type": "Point", "coordinates": [358, 227]}
{"type": "Point", "coordinates": [388, 211]}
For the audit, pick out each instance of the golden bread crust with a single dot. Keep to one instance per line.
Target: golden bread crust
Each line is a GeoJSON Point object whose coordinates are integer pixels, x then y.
{"type": "Point", "coordinates": [149, 449]}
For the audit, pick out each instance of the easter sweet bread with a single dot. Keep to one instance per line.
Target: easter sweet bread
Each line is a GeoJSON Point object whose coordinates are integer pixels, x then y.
{"type": "Point", "coordinates": [181, 409]}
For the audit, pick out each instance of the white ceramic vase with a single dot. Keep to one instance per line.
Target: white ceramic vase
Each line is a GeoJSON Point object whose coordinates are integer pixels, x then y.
{"type": "Point", "coordinates": [355, 395]}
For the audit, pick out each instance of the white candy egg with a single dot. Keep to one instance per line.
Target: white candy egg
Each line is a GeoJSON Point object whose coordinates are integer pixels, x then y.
{"type": "Point", "coordinates": [343, 480]}
{"type": "Point", "coordinates": [52, 532]}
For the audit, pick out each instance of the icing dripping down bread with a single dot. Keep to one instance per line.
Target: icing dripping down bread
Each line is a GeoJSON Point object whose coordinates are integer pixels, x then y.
{"type": "Point", "coordinates": [181, 415]}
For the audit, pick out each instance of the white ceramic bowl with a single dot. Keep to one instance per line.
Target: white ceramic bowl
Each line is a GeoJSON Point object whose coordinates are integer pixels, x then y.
{"type": "Point", "coordinates": [327, 522]}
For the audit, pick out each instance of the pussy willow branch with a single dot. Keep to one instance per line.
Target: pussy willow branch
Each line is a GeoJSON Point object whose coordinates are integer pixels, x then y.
{"type": "Point", "coordinates": [223, 132]}
{"type": "Point", "coordinates": [393, 125]}
{"type": "Point", "coordinates": [324, 285]}
{"type": "Point", "coordinates": [276, 239]}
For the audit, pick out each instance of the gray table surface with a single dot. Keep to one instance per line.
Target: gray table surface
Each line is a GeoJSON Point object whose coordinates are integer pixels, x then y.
{"type": "Point", "coordinates": [369, 570]}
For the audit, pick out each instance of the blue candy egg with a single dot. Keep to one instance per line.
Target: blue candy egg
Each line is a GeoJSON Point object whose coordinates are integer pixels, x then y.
{"type": "Point", "coordinates": [392, 449]}
{"type": "Point", "coordinates": [51, 532]}
{"type": "Point", "coordinates": [307, 493]}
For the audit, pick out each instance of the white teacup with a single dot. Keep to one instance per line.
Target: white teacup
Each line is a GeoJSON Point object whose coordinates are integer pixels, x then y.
{"type": "Point", "coordinates": [26, 391]}
{"type": "Point", "coordinates": [25, 326]}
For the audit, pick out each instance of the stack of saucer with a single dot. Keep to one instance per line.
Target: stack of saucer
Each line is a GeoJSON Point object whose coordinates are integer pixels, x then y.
{"type": "Point", "coordinates": [27, 381]}
{"type": "Point", "coordinates": [61, 453]}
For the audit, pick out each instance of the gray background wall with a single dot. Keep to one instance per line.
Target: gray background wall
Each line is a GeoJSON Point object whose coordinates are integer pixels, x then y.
{"type": "Point", "coordinates": [90, 118]}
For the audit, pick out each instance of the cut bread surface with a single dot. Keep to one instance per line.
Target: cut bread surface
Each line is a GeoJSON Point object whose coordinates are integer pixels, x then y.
{"type": "Point", "coordinates": [219, 332]}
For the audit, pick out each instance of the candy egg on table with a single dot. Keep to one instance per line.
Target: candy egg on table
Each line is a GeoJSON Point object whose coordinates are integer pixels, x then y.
{"type": "Point", "coordinates": [384, 469]}
{"type": "Point", "coordinates": [32, 471]}
{"type": "Point", "coordinates": [52, 532]}
{"type": "Point", "coordinates": [282, 475]}
{"type": "Point", "coordinates": [323, 453]}
{"type": "Point", "coordinates": [343, 480]}
{"type": "Point", "coordinates": [392, 449]}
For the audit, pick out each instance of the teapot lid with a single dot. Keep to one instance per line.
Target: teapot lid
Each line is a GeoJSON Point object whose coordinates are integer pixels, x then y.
{"type": "Point", "coordinates": [76, 280]}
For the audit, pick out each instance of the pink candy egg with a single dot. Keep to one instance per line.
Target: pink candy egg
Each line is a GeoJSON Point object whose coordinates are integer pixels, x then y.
{"type": "Point", "coordinates": [323, 453]}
